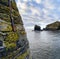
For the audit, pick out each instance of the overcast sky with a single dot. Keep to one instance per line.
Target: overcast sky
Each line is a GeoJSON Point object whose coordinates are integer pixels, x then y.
{"type": "Point", "coordinates": [39, 12]}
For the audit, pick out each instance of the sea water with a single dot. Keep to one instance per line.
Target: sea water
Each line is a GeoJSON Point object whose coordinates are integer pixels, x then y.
{"type": "Point", "coordinates": [44, 44]}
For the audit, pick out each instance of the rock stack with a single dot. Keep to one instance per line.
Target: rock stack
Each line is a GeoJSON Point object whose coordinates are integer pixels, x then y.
{"type": "Point", "coordinates": [37, 28]}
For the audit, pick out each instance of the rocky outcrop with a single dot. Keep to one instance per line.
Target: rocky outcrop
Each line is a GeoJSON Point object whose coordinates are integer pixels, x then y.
{"type": "Point", "coordinates": [53, 26]}
{"type": "Point", "coordinates": [13, 44]}
{"type": "Point", "coordinates": [37, 28]}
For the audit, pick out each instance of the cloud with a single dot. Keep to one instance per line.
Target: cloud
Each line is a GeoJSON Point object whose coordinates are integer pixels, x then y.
{"type": "Point", "coordinates": [34, 11]}
{"type": "Point", "coordinates": [25, 0]}
{"type": "Point", "coordinates": [39, 11]}
{"type": "Point", "coordinates": [38, 1]}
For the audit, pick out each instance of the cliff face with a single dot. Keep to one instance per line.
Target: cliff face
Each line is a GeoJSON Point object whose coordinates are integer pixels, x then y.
{"type": "Point", "coordinates": [5, 11]}
{"type": "Point", "coordinates": [53, 26]}
{"type": "Point", "coordinates": [13, 45]}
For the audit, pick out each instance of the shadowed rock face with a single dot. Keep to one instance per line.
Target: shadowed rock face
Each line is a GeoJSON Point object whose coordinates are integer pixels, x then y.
{"type": "Point", "coordinates": [37, 28]}
{"type": "Point", "coordinates": [14, 45]}
{"type": "Point", "coordinates": [53, 26]}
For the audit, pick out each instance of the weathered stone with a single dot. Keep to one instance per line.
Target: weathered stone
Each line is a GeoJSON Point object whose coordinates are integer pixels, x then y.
{"type": "Point", "coordinates": [12, 40]}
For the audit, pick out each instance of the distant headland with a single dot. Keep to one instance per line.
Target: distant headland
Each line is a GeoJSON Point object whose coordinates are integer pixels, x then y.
{"type": "Point", "coordinates": [50, 27]}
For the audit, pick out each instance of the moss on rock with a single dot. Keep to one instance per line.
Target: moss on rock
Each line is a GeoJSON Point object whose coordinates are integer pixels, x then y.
{"type": "Point", "coordinates": [10, 38]}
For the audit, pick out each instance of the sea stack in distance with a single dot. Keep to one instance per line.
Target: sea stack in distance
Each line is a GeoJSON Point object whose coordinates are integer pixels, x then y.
{"type": "Point", "coordinates": [37, 28]}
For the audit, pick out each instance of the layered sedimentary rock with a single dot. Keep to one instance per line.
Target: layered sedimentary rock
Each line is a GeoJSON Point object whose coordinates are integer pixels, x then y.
{"type": "Point", "coordinates": [13, 44]}
{"type": "Point", "coordinates": [53, 26]}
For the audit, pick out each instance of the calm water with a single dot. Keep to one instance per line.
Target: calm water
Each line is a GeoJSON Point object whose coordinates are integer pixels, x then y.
{"type": "Point", "coordinates": [44, 44]}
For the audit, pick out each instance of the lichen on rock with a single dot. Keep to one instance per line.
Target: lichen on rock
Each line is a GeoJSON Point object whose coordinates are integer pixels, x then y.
{"type": "Point", "coordinates": [12, 44]}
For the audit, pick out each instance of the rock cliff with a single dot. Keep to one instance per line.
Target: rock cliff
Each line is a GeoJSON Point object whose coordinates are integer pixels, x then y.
{"type": "Point", "coordinates": [13, 44]}
{"type": "Point", "coordinates": [53, 26]}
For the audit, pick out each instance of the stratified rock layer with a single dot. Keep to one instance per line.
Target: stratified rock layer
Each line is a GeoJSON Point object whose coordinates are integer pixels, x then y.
{"type": "Point", "coordinates": [53, 26]}
{"type": "Point", "coordinates": [13, 45]}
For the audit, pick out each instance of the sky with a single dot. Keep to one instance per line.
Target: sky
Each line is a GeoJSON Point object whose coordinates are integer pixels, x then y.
{"type": "Point", "coordinates": [40, 12]}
